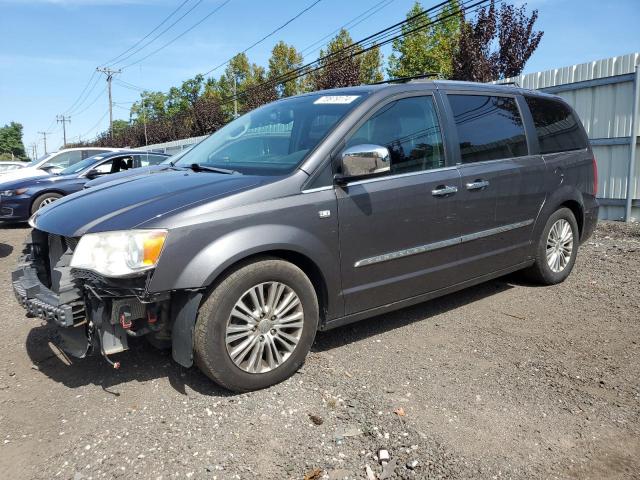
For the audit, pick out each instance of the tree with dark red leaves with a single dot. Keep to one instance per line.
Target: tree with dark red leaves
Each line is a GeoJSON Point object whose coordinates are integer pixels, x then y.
{"type": "Point", "coordinates": [496, 44]}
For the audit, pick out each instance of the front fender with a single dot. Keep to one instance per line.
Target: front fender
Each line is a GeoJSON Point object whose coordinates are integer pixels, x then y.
{"type": "Point", "coordinates": [198, 268]}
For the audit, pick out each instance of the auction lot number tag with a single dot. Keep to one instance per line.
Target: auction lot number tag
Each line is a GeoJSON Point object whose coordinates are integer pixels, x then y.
{"type": "Point", "coordinates": [335, 99]}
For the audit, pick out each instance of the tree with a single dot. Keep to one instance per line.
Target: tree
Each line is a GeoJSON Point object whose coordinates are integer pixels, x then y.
{"type": "Point", "coordinates": [11, 140]}
{"type": "Point", "coordinates": [429, 49]}
{"type": "Point", "coordinates": [339, 69]}
{"type": "Point", "coordinates": [496, 45]}
{"type": "Point", "coordinates": [284, 58]}
{"type": "Point", "coordinates": [371, 66]}
{"type": "Point", "coordinates": [150, 107]}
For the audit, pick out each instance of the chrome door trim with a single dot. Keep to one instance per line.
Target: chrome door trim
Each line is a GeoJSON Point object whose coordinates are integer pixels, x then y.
{"type": "Point", "coordinates": [400, 175]}
{"type": "Point", "coordinates": [441, 244]}
{"type": "Point", "coordinates": [318, 189]}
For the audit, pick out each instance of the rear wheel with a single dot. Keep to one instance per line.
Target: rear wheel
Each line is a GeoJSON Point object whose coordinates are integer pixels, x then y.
{"type": "Point", "coordinates": [557, 248]}
{"type": "Point", "coordinates": [257, 326]}
{"type": "Point", "coordinates": [44, 200]}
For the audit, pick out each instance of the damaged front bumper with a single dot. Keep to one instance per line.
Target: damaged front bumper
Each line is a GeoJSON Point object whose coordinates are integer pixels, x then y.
{"type": "Point", "coordinates": [93, 314]}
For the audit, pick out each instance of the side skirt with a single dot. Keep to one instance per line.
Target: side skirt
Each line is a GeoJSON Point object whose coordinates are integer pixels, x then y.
{"type": "Point", "coordinates": [390, 307]}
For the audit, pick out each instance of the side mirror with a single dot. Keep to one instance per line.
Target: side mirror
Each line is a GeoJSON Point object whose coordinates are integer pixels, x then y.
{"type": "Point", "coordinates": [91, 174]}
{"type": "Point", "coordinates": [364, 160]}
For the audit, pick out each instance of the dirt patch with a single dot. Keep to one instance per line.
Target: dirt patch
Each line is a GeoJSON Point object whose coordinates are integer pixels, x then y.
{"type": "Point", "coordinates": [505, 379]}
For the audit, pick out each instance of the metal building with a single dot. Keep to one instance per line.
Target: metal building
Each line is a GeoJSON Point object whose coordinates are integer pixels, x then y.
{"type": "Point", "coordinates": [606, 96]}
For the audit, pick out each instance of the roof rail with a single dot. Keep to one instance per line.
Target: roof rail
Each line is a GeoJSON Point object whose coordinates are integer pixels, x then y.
{"type": "Point", "coordinates": [410, 78]}
{"type": "Point", "coordinates": [512, 84]}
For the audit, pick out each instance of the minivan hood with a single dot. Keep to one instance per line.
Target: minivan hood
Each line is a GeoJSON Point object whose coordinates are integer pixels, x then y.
{"type": "Point", "coordinates": [134, 200]}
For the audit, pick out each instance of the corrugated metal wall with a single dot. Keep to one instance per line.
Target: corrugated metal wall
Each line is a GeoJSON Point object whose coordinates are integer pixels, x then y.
{"type": "Point", "coordinates": [602, 93]}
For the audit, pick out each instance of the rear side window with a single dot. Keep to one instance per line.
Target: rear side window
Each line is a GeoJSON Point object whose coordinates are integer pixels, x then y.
{"type": "Point", "coordinates": [489, 127]}
{"type": "Point", "coordinates": [409, 128]}
{"type": "Point", "coordinates": [556, 126]}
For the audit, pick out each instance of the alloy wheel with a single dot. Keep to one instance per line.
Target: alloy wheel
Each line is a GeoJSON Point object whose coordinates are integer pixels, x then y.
{"type": "Point", "coordinates": [46, 202]}
{"type": "Point", "coordinates": [559, 245]}
{"type": "Point", "coordinates": [264, 327]}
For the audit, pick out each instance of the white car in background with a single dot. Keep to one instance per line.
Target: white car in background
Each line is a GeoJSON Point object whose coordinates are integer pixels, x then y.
{"type": "Point", "coordinates": [10, 166]}
{"type": "Point", "coordinates": [53, 162]}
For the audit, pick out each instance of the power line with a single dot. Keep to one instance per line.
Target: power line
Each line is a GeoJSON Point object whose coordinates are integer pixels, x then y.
{"type": "Point", "coordinates": [177, 37]}
{"type": "Point", "coordinates": [296, 16]}
{"type": "Point", "coordinates": [73, 111]}
{"type": "Point", "coordinates": [96, 125]}
{"type": "Point", "coordinates": [81, 93]}
{"type": "Point", "coordinates": [147, 35]}
{"type": "Point", "coordinates": [92, 102]}
{"type": "Point", "coordinates": [159, 34]}
{"type": "Point", "coordinates": [368, 43]}
{"type": "Point", "coordinates": [349, 24]}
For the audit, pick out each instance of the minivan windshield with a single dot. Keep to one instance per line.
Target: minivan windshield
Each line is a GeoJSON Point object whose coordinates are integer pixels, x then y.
{"type": "Point", "coordinates": [274, 139]}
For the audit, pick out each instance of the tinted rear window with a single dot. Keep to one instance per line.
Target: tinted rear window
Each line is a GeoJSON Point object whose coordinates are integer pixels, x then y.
{"type": "Point", "coordinates": [489, 127]}
{"type": "Point", "coordinates": [556, 126]}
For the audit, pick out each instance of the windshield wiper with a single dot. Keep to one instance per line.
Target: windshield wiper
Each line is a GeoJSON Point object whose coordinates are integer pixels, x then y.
{"type": "Point", "coordinates": [196, 167]}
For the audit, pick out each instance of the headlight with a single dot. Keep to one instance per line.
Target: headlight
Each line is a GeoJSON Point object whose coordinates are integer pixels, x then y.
{"type": "Point", "coordinates": [11, 193]}
{"type": "Point", "coordinates": [121, 253]}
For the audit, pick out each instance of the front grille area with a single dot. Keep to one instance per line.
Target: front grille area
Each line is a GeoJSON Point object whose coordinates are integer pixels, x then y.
{"type": "Point", "coordinates": [43, 283]}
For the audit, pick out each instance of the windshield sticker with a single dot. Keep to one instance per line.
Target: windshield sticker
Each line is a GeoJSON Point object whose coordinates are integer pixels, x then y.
{"type": "Point", "coordinates": [336, 99]}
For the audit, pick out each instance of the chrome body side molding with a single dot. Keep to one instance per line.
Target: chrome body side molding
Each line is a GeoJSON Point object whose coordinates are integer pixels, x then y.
{"type": "Point", "coordinates": [385, 257]}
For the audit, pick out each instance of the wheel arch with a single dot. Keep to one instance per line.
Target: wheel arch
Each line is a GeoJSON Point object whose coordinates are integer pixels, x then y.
{"type": "Point", "coordinates": [300, 260]}
{"type": "Point", "coordinates": [566, 196]}
{"type": "Point", "coordinates": [44, 192]}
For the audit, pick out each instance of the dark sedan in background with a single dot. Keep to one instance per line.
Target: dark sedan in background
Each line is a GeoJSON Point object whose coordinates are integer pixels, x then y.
{"type": "Point", "coordinates": [20, 199]}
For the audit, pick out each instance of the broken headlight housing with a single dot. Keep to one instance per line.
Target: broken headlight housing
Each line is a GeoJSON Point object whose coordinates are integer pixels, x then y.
{"type": "Point", "coordinates": [122, 253]}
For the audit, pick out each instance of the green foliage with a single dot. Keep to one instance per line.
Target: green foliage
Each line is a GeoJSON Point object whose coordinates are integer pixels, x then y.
{"type": "Point", "coordinates": [496, 42]}
{"type": "Point", "coordinates": [11, 140]}
{"type": "Point", "coordinates": [150, 107]}
{"type": "Point", "coordinates": [285, 58]}
{"type": "Point", "coordinates": [430, 49]}
{"type": "Point", "coordinates": [346, 68]}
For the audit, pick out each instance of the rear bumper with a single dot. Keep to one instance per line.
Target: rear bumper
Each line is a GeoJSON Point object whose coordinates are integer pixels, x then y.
{"type": "Point", "coordinates": [591, 210]}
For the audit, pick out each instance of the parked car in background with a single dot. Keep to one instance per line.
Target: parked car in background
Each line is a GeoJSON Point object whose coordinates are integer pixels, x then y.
{"type": "Point", "coordinates": [150, 165]}
{"type": "Point", "coordinates": [310, 213]}
{"type": "Point", "coordinates": [54, 162]}
{"type": "Point", "coordinates": [6, 167]}
{"type": "Point", "coordinates": [20, 199]}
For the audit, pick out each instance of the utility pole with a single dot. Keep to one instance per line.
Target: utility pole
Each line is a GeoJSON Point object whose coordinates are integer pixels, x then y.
{"type": "Point", "coordinates": [144, 120]}
{"type": "Point", "coordinates": [109, 73]}
{"type": "Point", "coordinates": [64, 120]}
{"type": "Point", "coordinates": [235, 97]}
{"type": "Point", "coordinates": [44, 137]}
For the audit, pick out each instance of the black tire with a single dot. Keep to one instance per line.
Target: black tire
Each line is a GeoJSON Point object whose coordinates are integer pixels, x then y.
{"type": "Point", "coordinates": [541, 272]}
{"type": "Point", "coordinates": [38, 202]}
{"type": "Point", "coordinates": [210, 346]}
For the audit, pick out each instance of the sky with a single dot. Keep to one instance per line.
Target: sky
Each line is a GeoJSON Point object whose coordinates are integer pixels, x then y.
{"type": "Point", "coordinates": [50, 48]}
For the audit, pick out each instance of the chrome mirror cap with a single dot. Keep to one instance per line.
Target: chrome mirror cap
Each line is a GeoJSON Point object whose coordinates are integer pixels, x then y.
{"type": "Point", "coordinates": [364, 160]}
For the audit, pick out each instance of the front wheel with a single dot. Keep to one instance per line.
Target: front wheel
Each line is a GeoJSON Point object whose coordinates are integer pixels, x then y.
{"type": "Point", "coordinates": [557, 248]}
{"type": "Point", "coordinates": [44, 200]}
{"type": "Point", "coordinates": [257, 326]}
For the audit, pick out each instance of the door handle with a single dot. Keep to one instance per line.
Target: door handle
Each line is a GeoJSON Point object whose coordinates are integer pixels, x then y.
{"type": "Point", "coordinates": [477, 185]}
{"type": "Point", "coordinates": [443, 190]}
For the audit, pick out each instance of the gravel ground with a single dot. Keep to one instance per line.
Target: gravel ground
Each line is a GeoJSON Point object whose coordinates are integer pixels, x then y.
{"type": "Point", "coordinates": [505, 379]}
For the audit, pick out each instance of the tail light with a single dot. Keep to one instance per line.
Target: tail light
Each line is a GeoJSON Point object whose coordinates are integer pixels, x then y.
{"type": "Point", "coordinates": [595, 177]}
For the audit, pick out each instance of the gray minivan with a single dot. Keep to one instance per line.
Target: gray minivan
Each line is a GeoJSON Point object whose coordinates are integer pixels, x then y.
{"type": "Point", "coordinates": [310, 213]}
